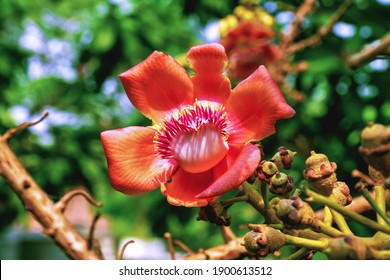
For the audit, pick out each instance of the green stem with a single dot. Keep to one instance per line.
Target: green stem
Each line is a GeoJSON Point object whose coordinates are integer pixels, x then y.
{"type": "Point", "coordinates": [264, 194]}
{"type": "Point", "coordinates": [327, 229]}
{"type": "Point", "coordinates": [256, 200]}
{"type": "Point", "coordinates": [308, 233]}
{"type": "Point", "coordinates": [345, 211]}
{"type": "Point", "coordinates": [328, 217]}
{"type": "Point", "coordinates": [229, 202]}
{"type": "Point", "coordinates": [377, 204]}
{"type": "Point", "coordinates": [380, 241]}
{"type": "Point", "coordinates": [318, 245]}
{"type": "Point", "coordinates": [381, 203]}
{"type": "Point", "coordinates": [298, 255]}
{"type": "Point", "coordinates": [277, 226]}
{"type": "Point", "coordinates": [340, 222]}
{"type": "Point", "coordinates": [381, 254]}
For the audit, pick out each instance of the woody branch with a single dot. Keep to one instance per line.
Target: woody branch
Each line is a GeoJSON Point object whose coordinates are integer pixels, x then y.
{"type": "Point", "coordinates": [370, 52]}
{"type": "Point", "coordinates": [38, 203]}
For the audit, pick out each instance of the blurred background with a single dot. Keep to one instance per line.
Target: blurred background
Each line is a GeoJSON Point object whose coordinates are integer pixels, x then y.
{"type": "Point", "coordinates": [64, 57]}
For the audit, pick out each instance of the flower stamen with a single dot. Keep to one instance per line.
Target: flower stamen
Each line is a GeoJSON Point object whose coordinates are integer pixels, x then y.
{"type": "Point", "coordinates": [196, 136]}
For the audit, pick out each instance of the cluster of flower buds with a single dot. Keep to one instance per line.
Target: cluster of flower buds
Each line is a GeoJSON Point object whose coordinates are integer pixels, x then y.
{"type": "Point", "coordinates": [215, 213]}
{"type": "Point", "coordinates": [321, 173]}
{"type": "Point", "coordinates": [263, 240]}
{"type": "Point", "coordinates": [247, 11]}
{"type": "Point", "coordinates": [375, 147]}
{"type": "Point", "coordinates": [279, 183]}
{"type": "Point", "coordinates": [294, 212]}
{"type": "Point", "coordinates": [283, 158]}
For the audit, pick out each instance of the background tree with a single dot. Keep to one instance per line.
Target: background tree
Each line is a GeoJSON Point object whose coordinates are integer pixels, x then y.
{"type": "Point", "coordinates": [64, 56]}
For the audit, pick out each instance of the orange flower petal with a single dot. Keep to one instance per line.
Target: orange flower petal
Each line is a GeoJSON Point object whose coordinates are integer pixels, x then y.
{"type": "Point", "coordinates": [254, 107]}
{"type": "Point", "coordinates": [133, 166]}
{"type": "Point", "coordinates": [157, 86]}
{"type": "Point", "coordinates": [184, 187]}
{"type": "Point", "coordinates": [244, 166]}
{"type": "Point", "coordinates": [209, 61]}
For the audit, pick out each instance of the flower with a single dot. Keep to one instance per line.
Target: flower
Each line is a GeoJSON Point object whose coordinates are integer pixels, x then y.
{"type": "Point", "coordinates": [248, 46]}
{"type": "Point", "coordinates": [198, 147]}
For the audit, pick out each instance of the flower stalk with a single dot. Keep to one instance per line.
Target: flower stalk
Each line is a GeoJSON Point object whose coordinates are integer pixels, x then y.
{"type": "Point", "coordinates": [264, 194]}
{"type": "Point", "coordinates": [378, 204]}
{"type": "Point", "coordinates": [257, 202]}
{"type": "Point", "coordinates": [314, 197]}
{"type": "Point", "coordinates": [381, 205]}
{"type": "Point", "coordinates": [318, 245]}
{"type": "Point", "coordinates": [341, 222]}
{"type": "Point", "coordinates": [299, 254]}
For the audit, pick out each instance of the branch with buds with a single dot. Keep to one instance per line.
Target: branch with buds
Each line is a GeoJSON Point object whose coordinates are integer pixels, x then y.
{"type": "Point", "coordinates": [289, 220]}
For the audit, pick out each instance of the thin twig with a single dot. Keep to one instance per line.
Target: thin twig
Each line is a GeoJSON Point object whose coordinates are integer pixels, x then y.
{"type": "Point", "coordinates": [183, 246]}
{"type": "Point", "coordinates": [12, 131]}
{"type": "Point", "coordinates": [323, 31]}
{"type": "Point", "coordinates": [63, 202]}
{"type": "Point", "coordinates": [300, 15]}
{"type": "Point", "coordinates": [122, 250]}
{"type": "Point", "coordinates": [227, 234]}
{"type": "Point", "coordinates": [90, 237]}
{"type": "Point", "coordinates": [360, 175]}
{"type": "Point", "coordinates": [171, 248]}
{"type": "Point", "coordinates": [369, 53]}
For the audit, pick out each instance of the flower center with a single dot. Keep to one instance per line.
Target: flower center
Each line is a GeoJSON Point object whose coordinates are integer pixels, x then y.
{"type": "Point", "coordinates": [196, 138]}
{"type": "Point", "coordinates": [198, 151]}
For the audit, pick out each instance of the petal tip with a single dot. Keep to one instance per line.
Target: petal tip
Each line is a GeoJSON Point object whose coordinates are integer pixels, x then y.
{"type": "Point", "coordinates": [207, 58]}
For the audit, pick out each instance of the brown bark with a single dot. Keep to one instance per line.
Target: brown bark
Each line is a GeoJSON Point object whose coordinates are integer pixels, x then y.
{"type": "Point", "coordinates": [229, 251]}
{"type": "Point", "coordinates": [369, 53]}
{"type": "Point", "coordinates": [45, 211]}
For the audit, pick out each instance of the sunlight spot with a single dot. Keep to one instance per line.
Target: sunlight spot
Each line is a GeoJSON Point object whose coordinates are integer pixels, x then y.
{"type": "Point", "coordinates": [365, 31]}
{"type": "Point", "coordinates": [344, 30]}
{"type": "Point", "coordinates": [109, 86]}
{"type": "Point", "coordinates": [210, 33]}
{"type": "Point", "coordinates": [32, 38]}
{"type": "Point", "coordinates": [379, 65]}
{"type": "Point", "coordinates": [285, 17]}
{"type": "Point", "coordinates": [367, 91]}
{"type": "Point", "coordinates": [270, 7]}
{"type": "Point", "coordinates": [383, 2]}
{"type": "Point", "coordinates": [20, 114]}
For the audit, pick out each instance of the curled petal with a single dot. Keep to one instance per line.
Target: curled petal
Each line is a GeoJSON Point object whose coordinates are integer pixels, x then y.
{"type": "Point", "coordinates": [157, 86]}
{"type": "Point", "coordinates": [209, 61]}
{"type": "Point", "coordinates": [184, 186]}
{"type": "Point", "coordinates": [133, 166]}
{"type": "Point", "coordinates": [254, 107]}
{"type": "Point", "coordinates": [243, 167]}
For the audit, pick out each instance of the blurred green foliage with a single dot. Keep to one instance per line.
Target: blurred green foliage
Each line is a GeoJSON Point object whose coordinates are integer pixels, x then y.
{"type": "Point", "coordinates": [63, 57]}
